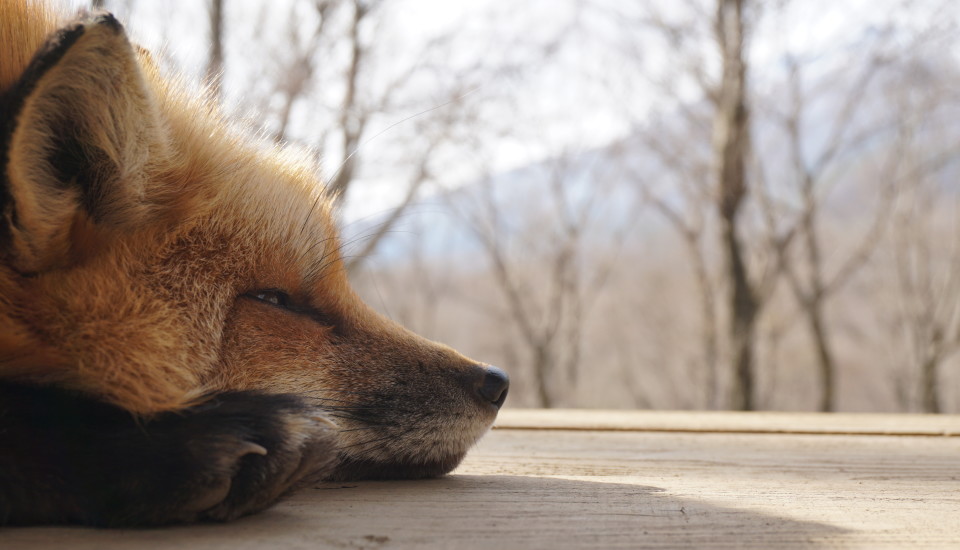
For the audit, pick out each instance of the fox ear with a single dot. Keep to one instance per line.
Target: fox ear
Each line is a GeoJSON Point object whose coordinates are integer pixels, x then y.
{"type": "Point", "coordinates": [81, 133]}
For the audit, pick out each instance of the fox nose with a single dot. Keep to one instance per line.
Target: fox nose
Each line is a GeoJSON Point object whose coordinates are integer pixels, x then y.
{"type": "Point", "coordinates": [493, 388]}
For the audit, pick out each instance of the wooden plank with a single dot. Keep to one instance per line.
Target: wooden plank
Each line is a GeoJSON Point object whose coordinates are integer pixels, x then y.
{"type": "Point", "coordinates": [732, 422]}
{"type": "Point", "coordinates": [611, 488]}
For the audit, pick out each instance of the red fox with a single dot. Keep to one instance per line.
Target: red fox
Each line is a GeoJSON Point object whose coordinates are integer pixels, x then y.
{"type": "Point", "coordinates": [178, 339]}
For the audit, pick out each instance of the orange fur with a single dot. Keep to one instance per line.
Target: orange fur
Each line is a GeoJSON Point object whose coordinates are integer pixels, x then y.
{"type": "Point", "coordinates": [24, 26]}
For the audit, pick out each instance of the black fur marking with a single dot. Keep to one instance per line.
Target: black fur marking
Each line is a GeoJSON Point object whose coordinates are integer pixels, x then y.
{"type": "Point", "coordinates": [107, 20]}
{"type": "Point", "coordinates": [66, 458]}
{"type": "Point", "coordinates": [77, 165]}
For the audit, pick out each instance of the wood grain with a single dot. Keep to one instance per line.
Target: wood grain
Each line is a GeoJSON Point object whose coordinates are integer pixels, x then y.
{"type": "Point", "coordinates": [624, 480]}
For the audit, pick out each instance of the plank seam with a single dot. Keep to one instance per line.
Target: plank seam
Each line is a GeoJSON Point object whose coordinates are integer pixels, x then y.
{"type": "Point", "coordinates": [944, 433]}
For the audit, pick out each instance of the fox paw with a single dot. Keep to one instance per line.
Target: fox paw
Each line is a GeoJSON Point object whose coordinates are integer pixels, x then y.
{"type": "Point", "coordinates": [247, 450]}
{"type": "Point", "coordinates": [67, 458]}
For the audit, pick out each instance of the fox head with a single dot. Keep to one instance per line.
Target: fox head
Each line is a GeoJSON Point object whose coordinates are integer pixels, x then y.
{"type": "Point", "coordinates": [152, 255]}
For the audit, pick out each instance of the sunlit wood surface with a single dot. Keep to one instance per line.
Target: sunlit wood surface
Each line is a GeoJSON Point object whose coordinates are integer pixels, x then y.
{"type": "Point", "coordinates": [577, 479]}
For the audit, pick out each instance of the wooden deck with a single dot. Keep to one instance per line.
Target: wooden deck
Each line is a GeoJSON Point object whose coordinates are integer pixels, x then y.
{"type": "Point", "coordinates": [588, 479]}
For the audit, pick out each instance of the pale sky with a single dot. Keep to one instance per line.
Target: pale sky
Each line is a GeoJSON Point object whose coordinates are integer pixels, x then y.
{"type": "Point", "coordinates": [586, 96]}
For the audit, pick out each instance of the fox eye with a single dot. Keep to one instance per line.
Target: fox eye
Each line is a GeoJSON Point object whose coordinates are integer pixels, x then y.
{"type": "Point", "coordinates": [273, 297]}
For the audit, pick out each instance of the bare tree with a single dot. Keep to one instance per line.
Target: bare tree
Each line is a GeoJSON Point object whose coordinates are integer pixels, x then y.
{"type": "Point", "coordinates": [294, 81]}
{"type": "Point", "coordinates": [731, 144]}
{"type": "Point", "coordinates": [712, 187]}
{"type": "Point", "coordinates": [352, 119]}
{"type": "Point", "coordinates": [790, 240]}
{"type": "Point", "coordinates": [707, 169]}
{"type": "Point", "coordinates": [689, 219]}
{"type": "Point", "coordinates": [925, 229]}
{"type": "Point", "coordinates": [928, 282]}
{"type": "Point", "coordinates": [548, 285]}
{"type": "Point", "coordinates": [816, 167]}
{"type": "Point", "coordinates": [810, 281]}
{"type": "Point", "coordinates": [330, 61]}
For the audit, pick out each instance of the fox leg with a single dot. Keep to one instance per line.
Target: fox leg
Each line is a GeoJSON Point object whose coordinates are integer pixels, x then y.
{"type": "Point", "coordinates": [66, 458]}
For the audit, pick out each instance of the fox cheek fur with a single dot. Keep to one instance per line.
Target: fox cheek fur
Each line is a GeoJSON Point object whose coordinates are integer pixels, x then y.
{"type": "Point", "coordinates": [178, 339]}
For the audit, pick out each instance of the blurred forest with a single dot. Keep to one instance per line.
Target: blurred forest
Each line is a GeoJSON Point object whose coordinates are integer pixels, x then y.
{"type": "Point", "coordinates": [699, 204]}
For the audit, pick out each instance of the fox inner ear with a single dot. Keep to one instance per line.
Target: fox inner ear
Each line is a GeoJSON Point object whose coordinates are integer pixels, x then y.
{"type": "Point", "coordinates": [82, 134]}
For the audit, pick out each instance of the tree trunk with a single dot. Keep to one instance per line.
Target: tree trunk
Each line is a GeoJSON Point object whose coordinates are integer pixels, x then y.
{"type": "Point", "coordinates": [351, 122]}
{"type": "Point", "coordinates": [929, 379]}
{"type": "Point", "coordinates": [730, 144]}
{"type": "Point", "coordinates": [214, 72]}
{"type": "Point", "coordinates": [929, 399]}
{"type": "Point", "coordinates": [824, 357]}
{"type": "Point", "coordinates": [743, 313]}
{"type": "Point", "coordinates": [708, 331]}
{"type": "Point", "coordinates": [542, 369]}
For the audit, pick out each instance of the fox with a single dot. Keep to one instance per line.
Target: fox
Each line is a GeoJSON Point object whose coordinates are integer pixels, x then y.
{"type": "Point", "coordinates": [179, 341]}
